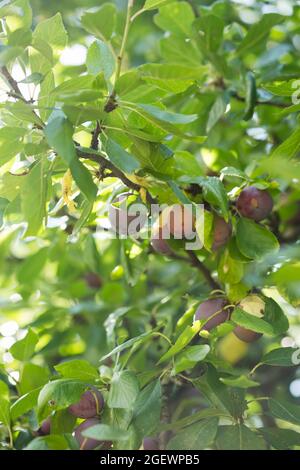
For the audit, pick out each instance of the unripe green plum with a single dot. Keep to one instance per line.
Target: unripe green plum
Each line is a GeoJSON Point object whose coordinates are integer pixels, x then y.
{"type": "Point", "coordinates": [221, 232]}
{"type": "Point", "coordinates": [89, 405]}
{"type": "Point", "coordinates": [254, 203]}
{"type": "Point", "coordinates": [209, 307]}
{"type": "Point", "coordinates": [254, 305]}
{"type": "Point", "coordinates": [86, 443]}
{"type": "Point", "coordinates": [121, 219]}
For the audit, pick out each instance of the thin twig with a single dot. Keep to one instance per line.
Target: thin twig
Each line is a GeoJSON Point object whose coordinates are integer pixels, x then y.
{"type": "Point", "coordinates": [103, 161]}
{"type": "Point", "coordinates": [203, 269]}
{"type": "Point", "coordinates": [262, 103]}
{"type": "Point", "coordinates": [16, 93]}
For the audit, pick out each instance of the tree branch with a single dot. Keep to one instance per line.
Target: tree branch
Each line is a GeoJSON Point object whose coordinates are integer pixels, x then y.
{"type": "Point", "coordinates": [107, 164]}
{"type": "Point", "coordinates": [16, 93]}
{"type": "Point", "coordinates": [261, 103]}
{"type": "Point", "coordinates": [203, 269]}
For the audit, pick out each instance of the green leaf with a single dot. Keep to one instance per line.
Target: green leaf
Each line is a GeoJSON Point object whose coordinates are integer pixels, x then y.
{"type": "Point", "coordinates": [240, 382]}
{"type": "Point", "coordinates": [167, 116]}
{"type": "Point", "coordinates": [239, 437]}
{"type": "Point", "coordinates": [211, 33]}
{"type": "Point", "coordinates": [255, 241]}
{"type": "Point", "coordinates": [24, 348]}
{"type": "Point", "coordinates": [101, 23]}
{"type": "Point", "coordinates": [100, 59]}
{"type": "Point", "coordinates": [288, 149]}
{"type": "Point", "coordinates": [230, 270]}
{"type": "Point", "coordinates": [183, 340]}
{"type": "Point", "coordinates": [34, 195]}
{"type": "Point", "coordinates": [217, 110]}
{"type": "Point", "coordinates": [282, 357]}
{"type": "Point", "coordinates": [52, 32]}
{"type": "Point", "coordinates": [214, 390]}
{"type": "Point", "coordinates": [120, 158]}
{"type": "Point", "coordinates": [176, 18]}
{"type": "Point", "coordinates": [11, 142]}
{"type": "Point", "coordinates": [251, 322]}
{"type": "Point", "coordinates": [104, 432]}
{"type": "Point", "coordinates": [62, 422]}
{"type": "Point", "coordinates": [285, 411]}
{"type": "Point", "coordinates": [8, 54]}
{"type": "Point", "coordinates": [4, 412]}
{"type": "Point", "coordinates": [191, 356]}
{"type": "Point", "coordinates": [59, 394]}
{"type": "Point", "coordinates": [32, 266]}
{"type": "Point", "coordinates": [127, 344]}
{"type": "Point", "coordinates": [214, 193]}
{"type": "Point", "coordinates": [275, 316]}
{"type": "Point", "coordinates": [35, 78]}
{"type": "Point", "coordinates": [20, 37]}
{"type": "Point", "coordinates": [59, 134]}
{"type": "Point", "coordinates": [195, 437]}
{"type": "Point", "coordinates": [77, 369]}
{"type": "Point", "coordinates": [153, 4]}
{"type": "Point", "coordinates": [280, 88]}
{"type": "Point", "coordinates": [171, 72]}
{"type": "Point", "coordinates": [123, 391]}
{"type": "Point", "coordinates": [258, 33]}
{"type": "Point", "coordinates": [18, 14]}
{"type": "Point", "coordinates": [46, 99]}
{"type": "Point", "coordinates": [147, 409]}
{"type": "Point", "coordinates": [32, 377]}
{"type": "Point", "coordinates": [281, 439]}
{"type": "Point", "coordinates": [24, 404]}
{"type": "Point", "coordinates": [52, 442]}
{"type": "Point", "coordinates": [164, 126]}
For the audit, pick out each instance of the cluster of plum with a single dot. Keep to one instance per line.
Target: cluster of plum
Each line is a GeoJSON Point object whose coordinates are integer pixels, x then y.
{"type": "Point", "coordinates": [89, 407]}
{"type": "Point", "coordinates": [214, 311]}
{"type": "Point", "coordinates": [179, 222]}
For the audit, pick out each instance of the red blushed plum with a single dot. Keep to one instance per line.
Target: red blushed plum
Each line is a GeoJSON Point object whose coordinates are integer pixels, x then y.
{"type": "Point", "coordinates": [159, 244]}
{"type": "Point", "coordinates": [180, 221]}
{"type": "Point", "coordinates": [89, 405]}
{"type": "Point", "coordinates": [245, 335]}
{"type": "Point", "coordinates": [45, 427]}
{"type": "Point", "coordinates": [255, 306]}
{"type": "Point", "coordinates": [93, 280]}
{"type": "Point", "coordinates": [150, 443]}
{"type": "Point", "coordinates": [208, 308]}
{"type": "Point", "coordinates": [221, 233]}
{"type": "Point", "coordinates": [121, 220]}
{"type": "Point", "coordinates": [254, 203]}
{"type": "Point", "coordinates": [85, 443]}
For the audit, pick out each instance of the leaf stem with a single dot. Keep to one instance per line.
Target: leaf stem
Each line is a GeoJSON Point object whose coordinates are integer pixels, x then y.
{"type": "Point", "coordinates": [124, 41]}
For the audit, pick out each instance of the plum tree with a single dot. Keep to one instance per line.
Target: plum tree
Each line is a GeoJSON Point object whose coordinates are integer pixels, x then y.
{"type": "Point", "coordinates": [93, 280]}
{"type": "Point", "coordinates": [122, 221]}
{"type": "Point", "coordinates": [86, 443]}
{"type": "Point", "coordinates": [89, 405]}
{"type": "Point", "coordinates": [254, 305]}
{"type": "Point", "coordinates": [210, 307]}
{"type": "Point", "coordinates": [179, 220]}
{"type": "Point", "coordinates": [150, 443]}
{"type": "Point", "coordinates": [221, 232]}
{"type": "Point", "coordinates": [254, 203]}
